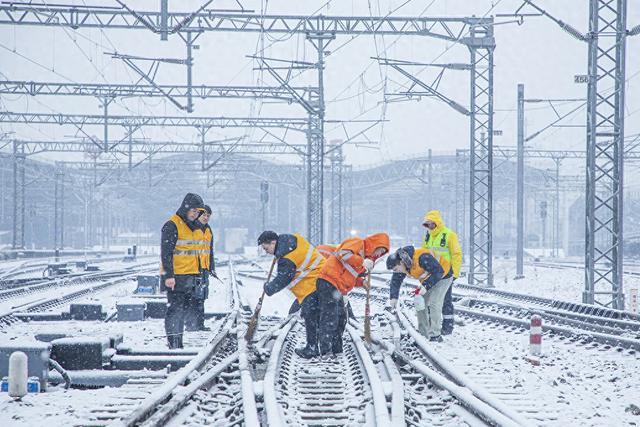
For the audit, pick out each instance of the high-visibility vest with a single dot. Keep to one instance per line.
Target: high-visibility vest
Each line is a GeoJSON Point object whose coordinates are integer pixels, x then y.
{"type": "Point", "coordinates": [205, 259]}
{"type": "Point", "coordinates": [439, 243]}
{"type": "Point", "coordinates": [308, 262]}
{"type": "Point", "coordinates": [326, 250]}
{"type": "Point", "coordinates": [417, 272]}
{"type": "Point", "coordinates": [337, 270]}
{"type": "Point", "coordinates": [189, 248]}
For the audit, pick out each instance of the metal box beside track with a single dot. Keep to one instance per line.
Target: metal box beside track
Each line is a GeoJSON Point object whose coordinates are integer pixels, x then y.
{"type": "Point", "coordinates": [37, 356]}
{"type": "Point", "coordinates": [130, 311]}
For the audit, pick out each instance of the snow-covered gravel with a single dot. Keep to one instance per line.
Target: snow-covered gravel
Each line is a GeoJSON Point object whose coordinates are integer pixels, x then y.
{"type": "Point", "coordinates": [563, 284]}
{"type": "Point", "coordinates": [577, 385]}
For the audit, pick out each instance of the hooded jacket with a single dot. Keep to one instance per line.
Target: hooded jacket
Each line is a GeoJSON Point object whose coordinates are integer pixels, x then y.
{"type": "Point", "coordinates": [444, 241]}
{"type": "Point", "coordinates": [345, 264]}
{"type": "Point", "coordinates": [169, 234]}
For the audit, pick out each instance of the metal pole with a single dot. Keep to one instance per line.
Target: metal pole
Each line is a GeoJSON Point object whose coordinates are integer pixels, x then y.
{"type": "Point", "coordinates": [520, 187]}
{"type": "Point", "coordinates": [605, 149]}
{"type": "Point", "coordinates": [105, 109]}
{"type": "Point", "coordinates": [556, 212]}
{"type": "Point", "coordinates": [164, 17]}
{"type": "Point", "coordinates": [130, 147]}
{"type": "Point", "coordinates": [203, 153]}
{"type": "Point", "coordinates": [315, 149]}
{"type": "Point", "coordinates": [62, 212]}
{"type": "Point", "coordinates": [56, 192]}
{"type": "Point", "coordinates": [430, 175]}
{"type": "Point", "coordinates": [189, 74]}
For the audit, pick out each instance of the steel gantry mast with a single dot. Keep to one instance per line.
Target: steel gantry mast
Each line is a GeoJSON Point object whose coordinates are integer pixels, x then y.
{"type": "Point", "coordinates": [606, 41]}
{"type": "Point", "coordinates": [605, 148]}
{"type": "Point", "coordinates": [481, 44]}
{"type": "Point", "coordinates": [319, 30]}
{"type": "Point", "coordinates": [18, 196]}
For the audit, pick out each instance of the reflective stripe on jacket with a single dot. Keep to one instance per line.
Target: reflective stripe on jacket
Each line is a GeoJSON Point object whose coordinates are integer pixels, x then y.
{"type": "Point", "coordinates": [309, 263]}
{"type": "Point", "coordinates": [343, 267]}
{"type": "Point", "coordinates": [189, 248]}
{"type": "Point", "coordinates": [205, 258]}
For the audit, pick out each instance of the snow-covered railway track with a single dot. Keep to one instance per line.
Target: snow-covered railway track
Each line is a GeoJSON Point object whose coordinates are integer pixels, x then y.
{"type": "Point", "coordinates": [211, 389]}
{"type": "Point", "coordinates": [580, 329]}
{"type": "Point", "coordinates": [432, 394]}
{"type": "Point", "coordinates": [8, 317]}
{"type": "Point", "coordinates": [22, 287]}
{"type": "Point", "coordinates": [628, 329]}
{"type": "Point", "coordinates": [483, 367]}
{"type": "Point", "coordinates": [607, 315]}
{"type": "Point", "coordinates": [324, 391]}
{"type": "Point", "coordinates": [205, 389]}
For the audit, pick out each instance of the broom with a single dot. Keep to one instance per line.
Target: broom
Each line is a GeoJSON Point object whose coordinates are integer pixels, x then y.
{"type": "Point", "coordinates": [253, 322]}
{"type": "Point", "coordinates": [367, 314]}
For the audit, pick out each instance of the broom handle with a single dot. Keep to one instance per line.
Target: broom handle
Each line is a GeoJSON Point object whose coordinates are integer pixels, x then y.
{"type": "Point", "coordinates": [273, 263]}
{"type": "Point", "coordinates": [367, 316]}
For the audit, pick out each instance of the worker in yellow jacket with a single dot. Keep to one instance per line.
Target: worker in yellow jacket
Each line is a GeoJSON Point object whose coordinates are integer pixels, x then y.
{"type": "Point", "coordinates": [443, 241]}
{"type": "Point", "coordinates": [299, 265]}
{"type": "Point", "coordinates": [182, 244]}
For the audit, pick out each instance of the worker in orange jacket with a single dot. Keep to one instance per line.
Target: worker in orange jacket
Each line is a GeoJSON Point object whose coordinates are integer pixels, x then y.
{"type": "Point", "coordinates": [344, 269]}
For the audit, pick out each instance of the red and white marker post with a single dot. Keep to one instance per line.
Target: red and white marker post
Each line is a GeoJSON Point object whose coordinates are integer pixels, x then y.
{"type": "Point", "coordinates": [535, 335]}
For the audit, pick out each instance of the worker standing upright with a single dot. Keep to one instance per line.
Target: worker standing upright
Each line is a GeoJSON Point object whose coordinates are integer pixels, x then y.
{"type": "Point", "coordinates": [344, 269]}
{"type": "Point", "coordinates": [299, 265]}
{"type": "Point", "coordinates": [180, 249]}
{"type": "Point", "coordinates": [195, 317]}
{"type": "Point", "coordinates": [444, 241]}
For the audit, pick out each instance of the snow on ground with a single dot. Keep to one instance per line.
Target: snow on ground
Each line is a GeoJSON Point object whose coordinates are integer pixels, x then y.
{"type": "Point", "coordinates": [62, 407]}
{"type": "Point", "coordinates": [57, 406]}
{"type": "Point", "coordinates": [584, 385]}
{"type": "Point", "coordinates": [275, 305]}
{"type": "Point", "coordinates": [580, 385]}
{"type": "Point", "coordinates": [564, 284]}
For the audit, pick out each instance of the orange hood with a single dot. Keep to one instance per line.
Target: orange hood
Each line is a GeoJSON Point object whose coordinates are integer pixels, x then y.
{"type": "Point", "coordinates": [378, 240]}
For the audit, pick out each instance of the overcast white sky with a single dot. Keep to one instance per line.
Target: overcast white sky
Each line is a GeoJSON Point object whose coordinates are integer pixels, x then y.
{"type": "Point", "coordinates": [536, 53]}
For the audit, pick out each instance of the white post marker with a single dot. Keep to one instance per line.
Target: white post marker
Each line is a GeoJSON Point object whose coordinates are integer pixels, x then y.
{"type": "Point", "coordinates": [535, 335]}
{"type": "Point", "coordinates": [633, 300]}
{"type": "Point", "coordinates": [18, 374]}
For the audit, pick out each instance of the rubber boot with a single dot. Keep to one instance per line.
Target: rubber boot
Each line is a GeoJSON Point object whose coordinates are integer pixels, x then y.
{"type": "Point", "coordinates": [306, 352]}
{"type": "Point", "coordinates": [175, 341]}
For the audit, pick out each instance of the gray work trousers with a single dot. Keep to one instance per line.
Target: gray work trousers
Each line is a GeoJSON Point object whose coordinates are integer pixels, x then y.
{"type": "Point", "coordinates": [430, 319]}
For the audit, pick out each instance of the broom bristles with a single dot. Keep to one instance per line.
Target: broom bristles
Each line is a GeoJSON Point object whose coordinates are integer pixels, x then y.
{"type": "Point", "coordinates": [251, 329]}
{"type": "Point", "coordinates": [253, 322]}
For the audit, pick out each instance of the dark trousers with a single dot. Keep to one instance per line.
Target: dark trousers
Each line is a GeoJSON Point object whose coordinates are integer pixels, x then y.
{"type": "Point", "coordinates": [177, 305]}
{"type": "Point", "coordinates": [342, 324]}
{"type": "Point", "coordinates": [194, 317]}
{"type": "Point", "coordinates": [310, 312]}
{"type": "Point", "coordinates": [447, 312]}
{"type": "Point", "coordinates": [331, 308]}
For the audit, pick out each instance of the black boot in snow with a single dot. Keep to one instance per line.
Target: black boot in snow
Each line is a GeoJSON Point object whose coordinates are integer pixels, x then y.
{"type": "Point", "coordinates": [337, 348]}
{"type": "Point", "coordinates": [306, 352]}
{"type": "Point", "coordinates": [436, 339]}
{"type": "Point", "coordinates": [175, 341]}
